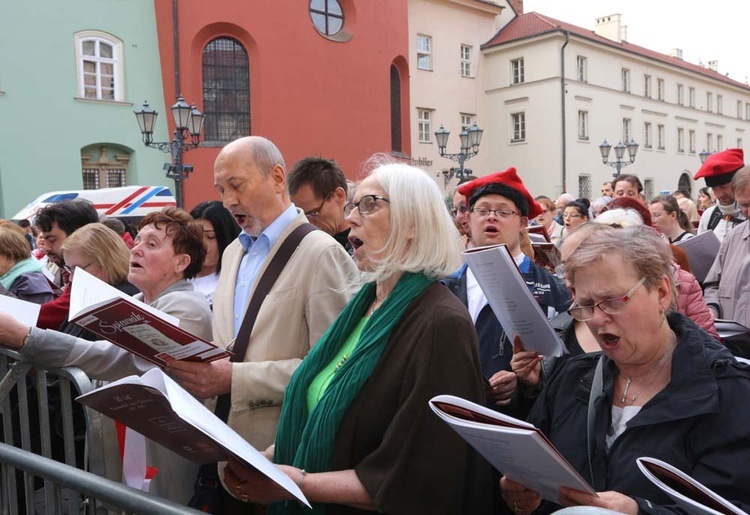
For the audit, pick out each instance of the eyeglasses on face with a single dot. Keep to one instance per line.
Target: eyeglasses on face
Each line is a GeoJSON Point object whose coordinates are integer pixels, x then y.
{"type": "Point", "coordinates": [71, 269]}
{"type": "Point", "coordinates": [608, 306]}
{"type": "Point", "coordinates": [459, 209]}
{"type": "Point", "coordinates": [571, 215]}
{"type": "Point", "coordinates": [483, 212]}
{"type": "Point", "coordinates": [315, 212]}
{"type": "Point", "coordinates": [366, 205]}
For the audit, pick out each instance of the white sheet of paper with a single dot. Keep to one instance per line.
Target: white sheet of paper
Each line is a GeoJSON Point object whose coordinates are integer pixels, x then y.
{"type": "Point", "coordinates": [520, 454]}
{"type": "Point", "coordinates": [511, 301]}
{"type": "Point", "coordinates": [89, 292]}
{"type": "Point", "coordinates": [24, 311]}
{"type": "Point", "coordinates": [685, 502]}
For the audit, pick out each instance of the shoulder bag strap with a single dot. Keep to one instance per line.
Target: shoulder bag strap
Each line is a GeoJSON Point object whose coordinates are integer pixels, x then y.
{"type": "Point", "coordinates": [265, 283]}
{"type": "Point", "coordinates": [596, 389]}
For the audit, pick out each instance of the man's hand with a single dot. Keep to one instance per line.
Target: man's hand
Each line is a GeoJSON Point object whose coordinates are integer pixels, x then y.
{"type": "Point", "coordinates": [204, 380]}
{"type": "Point", "coordinates": [526, 364]}
{"type": "Point", "coordinates": [614, 501]}
{"type": "Point", "coordinates": [12, 332]}
{"type": "Point", "coordinates": [518, 498]}
{"type": "Point", "coordinates": [502, 386]}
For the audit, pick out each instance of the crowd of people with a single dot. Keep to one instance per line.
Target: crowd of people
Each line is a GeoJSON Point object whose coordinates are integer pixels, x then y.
{"type": "Point", "coordinates": [348, 307]}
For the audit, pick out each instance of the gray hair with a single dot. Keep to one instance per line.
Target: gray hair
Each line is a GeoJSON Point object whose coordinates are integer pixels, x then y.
{"type": "Point", "coordinates": [423, 237]}
{"type": "Point", "coordinates": [265, 154]}
{"type": "Point", "coordinates": [620, 218]}
{"type": "Point", "coordinates": [741, 179]}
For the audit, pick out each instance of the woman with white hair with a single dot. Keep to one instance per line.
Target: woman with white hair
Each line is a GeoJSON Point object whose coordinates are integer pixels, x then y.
{"type": "Point", "coordinates": [356, 432]}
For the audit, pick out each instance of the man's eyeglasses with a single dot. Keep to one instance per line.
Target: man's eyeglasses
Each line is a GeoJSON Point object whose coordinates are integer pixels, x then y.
{"type": "Point", "coordinates": [459, 209]}
{"type": "Point", "coordinates": [366, 205]}
{"type": "Point", "coordinates": [609, 306]}
{"type": "Point", "coordinates": [70, 269]}
{"type": "Point", "coordinates": [315, 212]}
{"type": "Point", "coordinates": [483, 212]}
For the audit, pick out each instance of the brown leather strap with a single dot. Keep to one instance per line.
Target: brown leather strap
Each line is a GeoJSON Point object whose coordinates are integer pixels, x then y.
{"type": "Point", "coordinates": [265, 283]}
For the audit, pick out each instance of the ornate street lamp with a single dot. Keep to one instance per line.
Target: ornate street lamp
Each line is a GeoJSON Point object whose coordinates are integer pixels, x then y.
{"type": "Point", "coordinates": [188, 122]}
{"type": "Point", "coordinates": [470, 140]}
{"type": "Point", "coordinates": [703, 154]}
{"type": "Point", "coordinates": [619, 164]}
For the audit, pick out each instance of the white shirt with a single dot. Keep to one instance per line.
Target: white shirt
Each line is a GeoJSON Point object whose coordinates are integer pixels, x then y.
{"type": "Point", "coordinates": [620, 419]}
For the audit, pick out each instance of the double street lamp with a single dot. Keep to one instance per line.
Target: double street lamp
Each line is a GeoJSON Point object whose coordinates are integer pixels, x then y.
{"type": "Point", "coordinates": [470, 140]}
{"type": "Point", "coordinates": [188, 123]}
{"type": "Point", "coordinates": [619, 164]}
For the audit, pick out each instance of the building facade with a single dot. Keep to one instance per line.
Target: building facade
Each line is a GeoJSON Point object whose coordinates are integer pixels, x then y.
{"type": "Point", "coordinates": [555, 92]}
{"type": "Point", "coordinates": [70, 78]}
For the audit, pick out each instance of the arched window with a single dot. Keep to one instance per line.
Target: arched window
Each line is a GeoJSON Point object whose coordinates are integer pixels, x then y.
{"type": "Point", "coordinates": [396, 145]}
{"type": "Point", "coordinates": [104, 166]}
{"type": "Point", "coordinates": [99, 66]}
{"type": "Point", "coordinates": [226, 90]}
{"type": "Point", "coordinates": [685, 183]}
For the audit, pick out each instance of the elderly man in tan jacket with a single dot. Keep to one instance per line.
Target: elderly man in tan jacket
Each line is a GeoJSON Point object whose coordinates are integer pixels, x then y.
{"type": "Point", "coordinates": [313, 287]}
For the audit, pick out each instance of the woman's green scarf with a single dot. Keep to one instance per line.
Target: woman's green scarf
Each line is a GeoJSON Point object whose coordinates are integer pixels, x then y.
{"type": "Point", "coordinates": [24, 266]}
{"type": "Point", "coordinates": [306, 440]}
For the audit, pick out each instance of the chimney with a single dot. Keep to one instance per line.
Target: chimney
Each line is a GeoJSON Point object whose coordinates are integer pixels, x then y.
{"type": "Point", "coordinates": [713, 65]}
{"type": "Point", "coordinates": [676, 53]}
{"type": "Point", "coordinates": [609, 27]}
{"type": "Point", "coordinates": [517, 6]}
{"type": "Point", "coordinates": [624, 33]}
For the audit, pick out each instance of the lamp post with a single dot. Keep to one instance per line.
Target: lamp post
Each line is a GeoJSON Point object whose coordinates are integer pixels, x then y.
{"type": "Point", "coordinates": [619, 164]}
{"type": "Point", "coordinates": [470, 140]}
{"type": "Point", "coordinates": [703, 154]}
{"type": "Point", "coordinates": [188, 123]}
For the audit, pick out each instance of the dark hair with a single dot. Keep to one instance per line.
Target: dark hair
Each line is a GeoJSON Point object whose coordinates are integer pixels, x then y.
{"type": "Point", "coordinates": [323, 175]}
{"type": "Point", "coordinates": [704, 191]}
{"type": "Point", "coordinates": [186, 234]}
{"type": "Point", "coordinates": [632, 179]}
{"type": "Point", "coordinates": [497, 188]}
{"type": "Point", "coordinates": [224, 224]}
{"type": "Point", "coordinates": [631, 203]}
{"type": "Point", "coordinates": [685, 193]}
{"type": "Point", "coordinates": [670, 205]}
{"type": "Point", "coordinates": [115, 224]}
{"type": "Point", "coordinates": [69, 215]}
{"type": "Point", "coordinates": [24, 223]}
{"type": "Point", "coordinates": [581, 205]}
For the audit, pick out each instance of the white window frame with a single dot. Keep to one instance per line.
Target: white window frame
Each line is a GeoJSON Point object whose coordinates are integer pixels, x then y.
{"type": "Point", "coordinates": [518, 127]}
{"type": "Point", "coordinates": [691, 141]}
{"type": "Point", "coordinates": [583, 125]}
{"type": "Point", "coordinates": [680, 140]}
{"type": "Point", "coordinates": [747, 111]}
{"type": "Point", "coordinates": [116, 60]}
{"type": "Point", "coordinates": [424, 51]}
{"type": "Point", "coordinates": [424, 125]}
{"type": "Point", "coordinates": [719, 142]}
{"type": "Point", "coordinates": [627, 129]}
{"type": "Point", "coordinates": [710, 142]}
{"type": "Point", "coordinates": [739, 109]}
{"type": "Point", "coordinates": [660, 136]}
{"type": "Point", "coordinates": [680, 95]}
{"type": "Point", "coordinates": [709, 102]}
{"type": "Point", "coordinates": [660, 90]}
{"type": "Point", "coordinates": [467, 56]}
{"type": "Point", "coordinates": [719, 104]}
{"type": "Point", "coordinates": [582, 72]}
{"type": "Point", "coordinates": [647, 136]}
{"type": "Point", "coordinates": [517, 71]}
{"type": "Point", "coordinates": [739, 142]}
{"type": "Point", "coordinates": [647, 86]}
{"type": "Point", "coordinates": [467, 120]}
{"type": "Point", "coordinates": [626, 80]}
{"type": "Point", "coordinates": [691, 97]}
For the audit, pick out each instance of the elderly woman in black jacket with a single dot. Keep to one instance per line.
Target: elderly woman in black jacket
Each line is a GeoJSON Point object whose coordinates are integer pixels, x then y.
{"type": "Point", "coordinates": [668, 389]}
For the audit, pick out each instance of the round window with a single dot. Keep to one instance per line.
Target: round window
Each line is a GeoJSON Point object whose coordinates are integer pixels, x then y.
{"type": "Point", "coordinates": [327, 16]}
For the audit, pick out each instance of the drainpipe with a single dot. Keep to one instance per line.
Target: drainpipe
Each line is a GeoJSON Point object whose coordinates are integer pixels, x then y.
{"type": "Point", "coordinates": [562, 103]}
{"type": "Point", "coordinates": [176, 43]}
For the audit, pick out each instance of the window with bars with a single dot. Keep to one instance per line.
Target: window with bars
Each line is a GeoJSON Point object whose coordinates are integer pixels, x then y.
{"type": "Point", "coordinates": [424, 52]}
{"type": "Point", "coordinates": [518, 127]}
{"type": "Point", "coordinates": [517, 71]}
{"type": "Point", "coordinates": [466, 57]}
{"type": "Point", "coordinates": [327, 16]}
{"type": "Point", "coordinates": [98, 65]}
{"type": "Point", "coordinates": [584, 185]}
{"type": "Point", "coordinates": [104, 166]}
{"type": "Point", "coordinates": [424, 117]}
{"type": "Point", "coordinates": [91, 178]}
{"type": "Point", "coordinates": [226, 90]}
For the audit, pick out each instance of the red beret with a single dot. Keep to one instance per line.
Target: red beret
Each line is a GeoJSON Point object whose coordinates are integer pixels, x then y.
{"type": "Point", "coordinates": [721, 163]}
{"type": "Point", "coordinates": [508, 178]}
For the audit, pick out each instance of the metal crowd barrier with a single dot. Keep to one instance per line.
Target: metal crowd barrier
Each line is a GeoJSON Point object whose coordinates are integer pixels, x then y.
{"type": "Point", "coordinates": [31, 481]}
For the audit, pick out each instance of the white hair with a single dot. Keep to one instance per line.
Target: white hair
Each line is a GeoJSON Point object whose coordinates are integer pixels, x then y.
{"type": "Point", "coordinates": [620, 217]}
{"type": "Point", "coordinates": [423, 237]}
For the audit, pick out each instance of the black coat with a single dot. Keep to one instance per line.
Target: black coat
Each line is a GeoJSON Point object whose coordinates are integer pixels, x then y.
{"type": "Point", "coordinates": [698, 423]}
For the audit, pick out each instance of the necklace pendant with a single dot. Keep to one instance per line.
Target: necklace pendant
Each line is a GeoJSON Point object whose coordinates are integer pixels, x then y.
{"type": "Point", "coordinates": [625, 393]}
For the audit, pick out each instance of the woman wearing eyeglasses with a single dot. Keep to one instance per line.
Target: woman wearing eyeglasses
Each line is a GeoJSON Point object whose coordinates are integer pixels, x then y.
{"type": "Point", "coordinates": [575, 214]}
{"type": "Point", "coordinates": [668, 390]}
{"type": "Point", "coordinates": [356, 432]}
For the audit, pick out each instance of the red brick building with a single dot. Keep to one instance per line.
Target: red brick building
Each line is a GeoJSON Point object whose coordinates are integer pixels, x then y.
{"type": "Point", "coordinates": [323, 77]}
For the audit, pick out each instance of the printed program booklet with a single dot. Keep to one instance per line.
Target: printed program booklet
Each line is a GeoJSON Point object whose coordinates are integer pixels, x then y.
{"type": "Point", "coordinates": [134, 325]}
{"type": "Point", "coordinates": [516, 448]}
{"type": "Point", "coordinates": [158, 408]}
{"type": "Point", "coordinates": [691, 495]}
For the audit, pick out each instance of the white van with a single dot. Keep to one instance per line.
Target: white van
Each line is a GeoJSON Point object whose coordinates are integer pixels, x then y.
{"type": "Point", "coordinates": [126, 203]}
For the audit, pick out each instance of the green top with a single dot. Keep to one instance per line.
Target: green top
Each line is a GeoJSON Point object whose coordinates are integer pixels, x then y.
{"type": "Point", "coordinates": [321, 381]}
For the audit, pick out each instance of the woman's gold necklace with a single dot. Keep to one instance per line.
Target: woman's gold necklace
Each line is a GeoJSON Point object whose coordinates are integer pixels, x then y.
{"type": "Point", "coordinates": [661, 363]}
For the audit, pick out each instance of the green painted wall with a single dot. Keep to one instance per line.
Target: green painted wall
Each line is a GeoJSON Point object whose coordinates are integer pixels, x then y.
{"type": "Point", "coordinates": [42, 125]}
